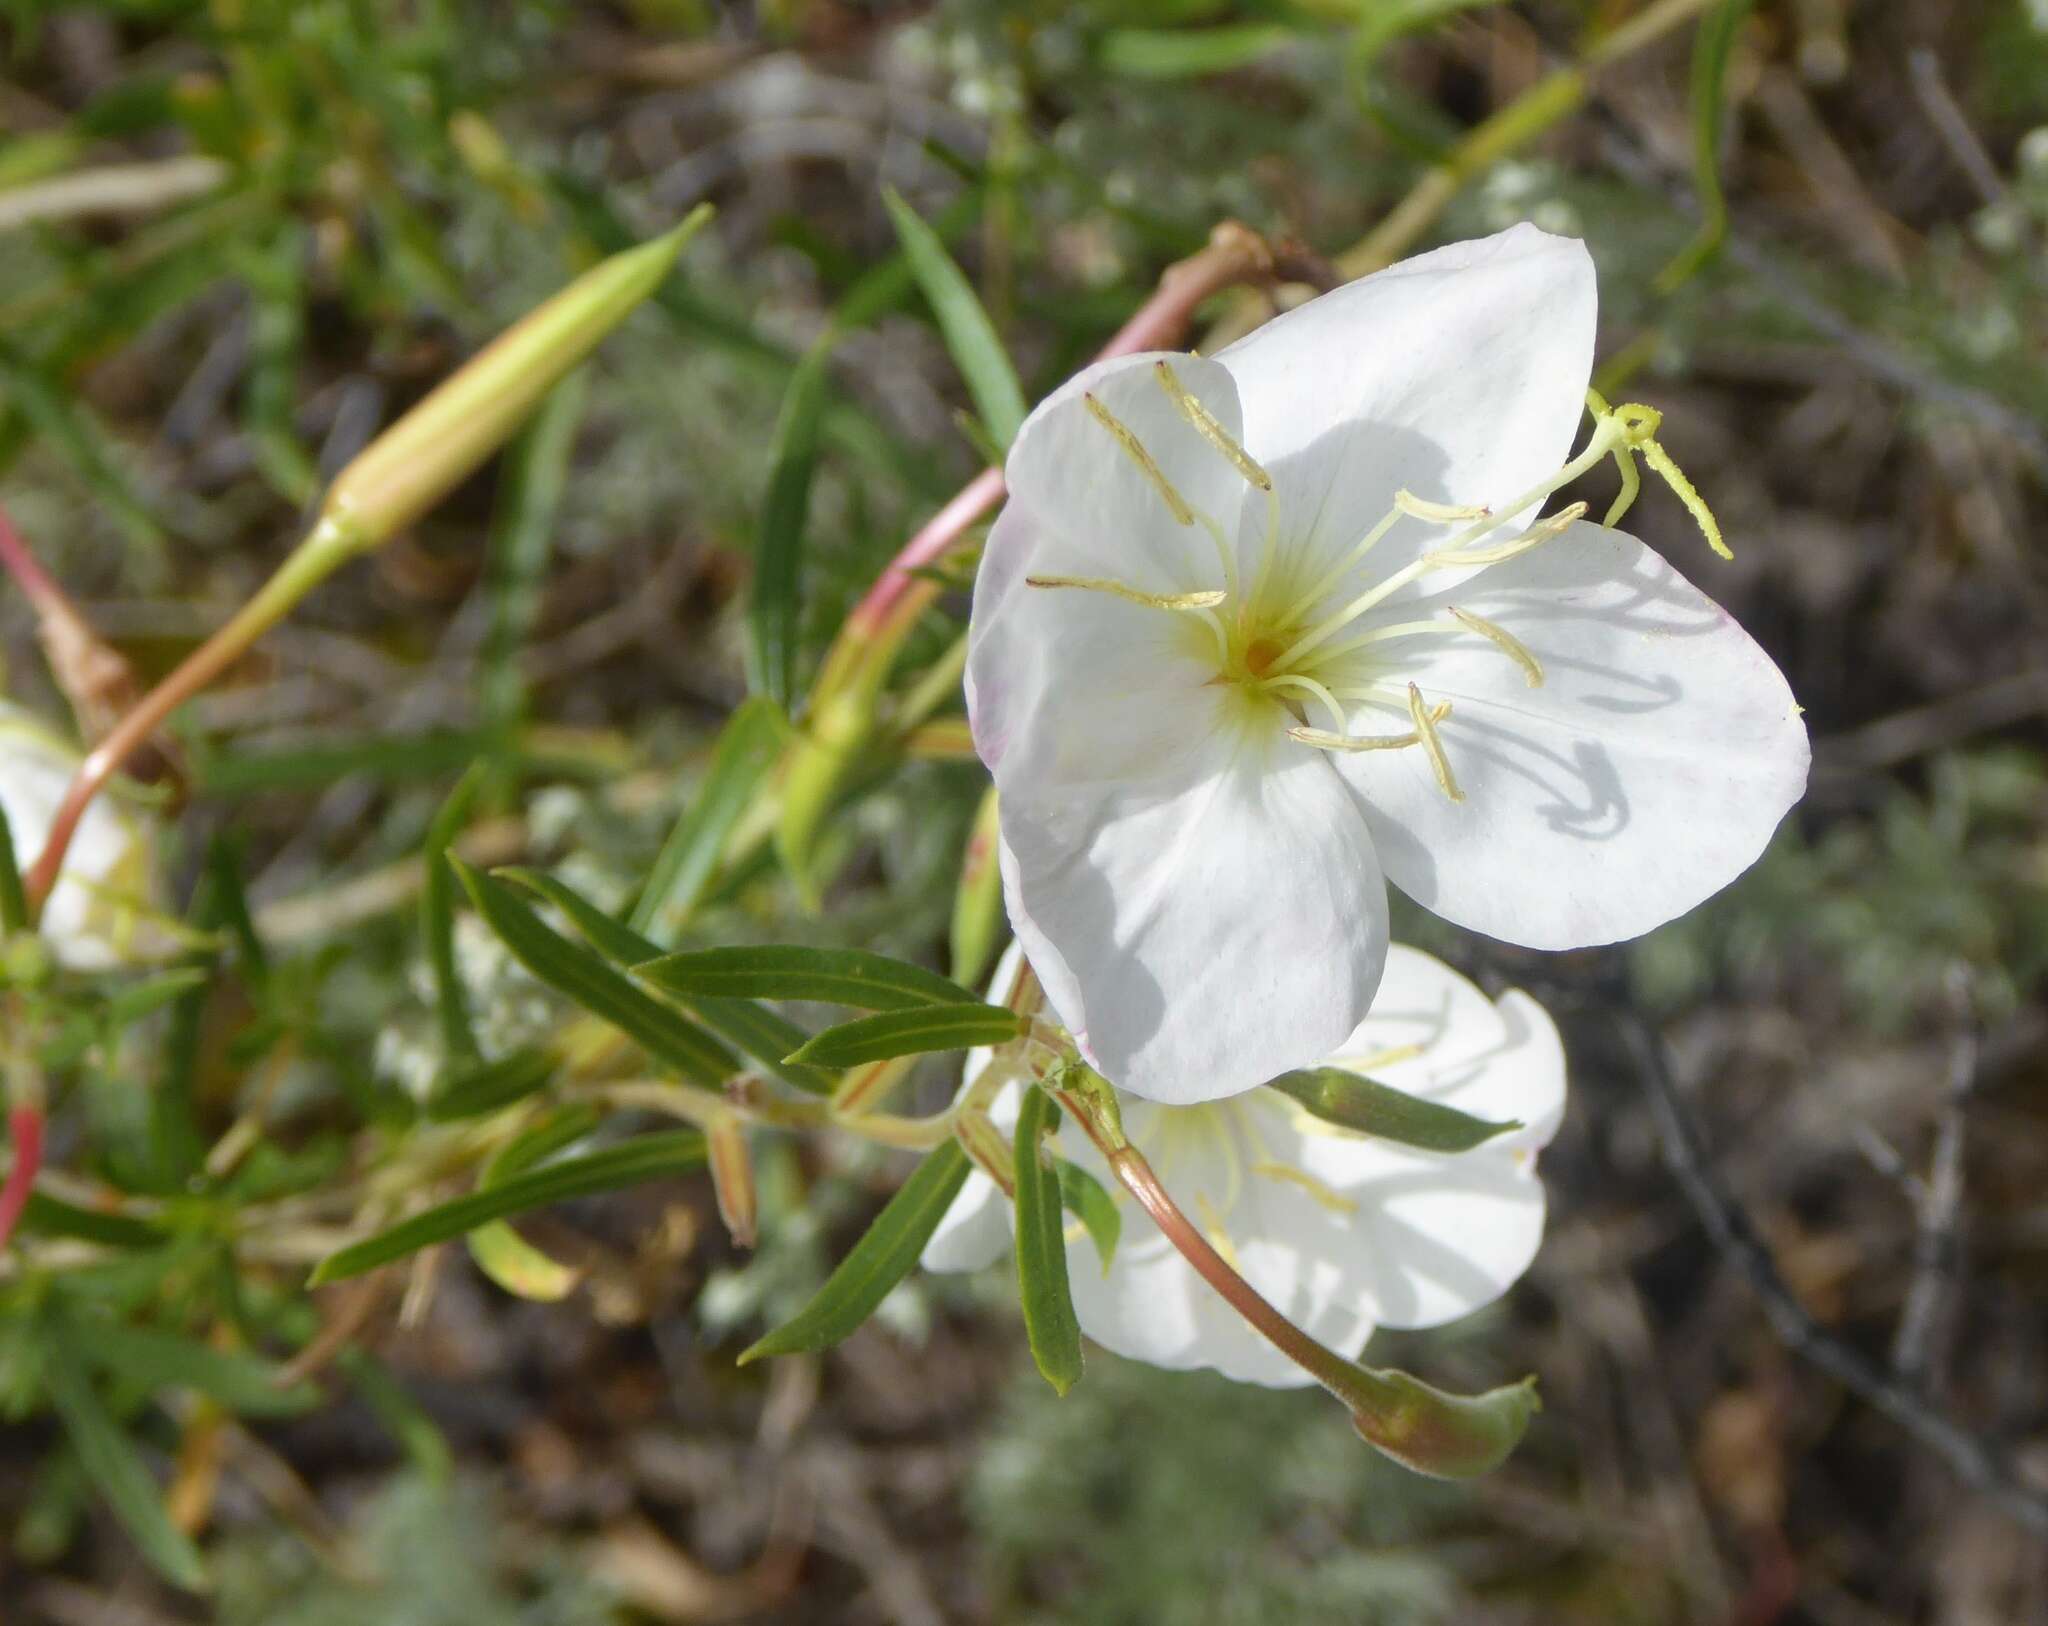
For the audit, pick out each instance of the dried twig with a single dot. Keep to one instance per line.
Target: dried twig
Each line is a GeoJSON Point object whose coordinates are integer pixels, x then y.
{"type": "Point", "coordinates": [1977, 1462]}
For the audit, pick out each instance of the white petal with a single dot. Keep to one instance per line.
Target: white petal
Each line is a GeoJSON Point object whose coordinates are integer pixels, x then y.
{"type": "Point", "coordinates": [90, 920]}
{"type": "Point", "coordinates": [1097, 512]}
{"type": "Point", "coordinates": [974, 1232]}
{"type": "Point", "coordinates": [1644, 774]}
{"type": "Point", "coordinates": [1459, 375]}
{"type": "Point", "coordinates": [1497, 1062]}
{"type": "Point", "coordinates": [1203, 926]}
{"type": "Point", "coordinates": [1152, 1306]}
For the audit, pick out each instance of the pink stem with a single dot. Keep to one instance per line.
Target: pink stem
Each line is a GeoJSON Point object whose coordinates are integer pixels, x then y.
{"type": "Point", "coordinates": [1234, 254]}
{"type": "Point", "coordinates": [28, 573]}
{"type": "Point", "coordinates": [25, 1129]}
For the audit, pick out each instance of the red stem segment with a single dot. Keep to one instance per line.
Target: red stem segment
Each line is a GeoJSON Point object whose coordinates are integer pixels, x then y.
{"type": "Point", "coordinates": [25, 1130]}
{"type": "Point", "coordinates": [1234, 254]}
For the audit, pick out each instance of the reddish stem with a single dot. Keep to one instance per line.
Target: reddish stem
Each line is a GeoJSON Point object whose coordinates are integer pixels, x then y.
{"type": "Point", "coordinates": [25, 1130]}
{"type": "Point", "coordinates": [1234, 254]}
{"type": "Point", "coordinates": [27, 571]}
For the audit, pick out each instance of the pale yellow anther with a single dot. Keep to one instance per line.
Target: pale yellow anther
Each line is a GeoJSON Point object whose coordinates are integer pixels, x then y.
{"type": "Point", "coordinates": [1438, 513]}
{"type": "Point", "coordinates": [1205, 600]}
{"type": "Point", "coordinates": [1509, 644]}
{"type": "Point", "coordinates": [1687, 493]}
{"type": "Point", "coordinates": [1335, 1202]}
{"type": "Point", "coordinates": [1638, 425]}
{"type": "Point", "coordinates": [1208, 428]}
{"type": "Point", "coordinates": [1323, 741]}
{"type": "Point", "coordinates": [1558, 523]}
{"type": "Point", "coordinates": [1425, 726]}
{"type": "Point", "coordinates": [1134, 449]}
{"type": "Point", "coordinates": [1212, 1227]}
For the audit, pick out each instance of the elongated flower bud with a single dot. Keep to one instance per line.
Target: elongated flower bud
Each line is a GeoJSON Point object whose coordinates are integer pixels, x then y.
{"type": "Point", "coordinates": [440, 442]}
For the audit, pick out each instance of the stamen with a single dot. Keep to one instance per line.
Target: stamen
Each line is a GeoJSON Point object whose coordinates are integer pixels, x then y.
{"type": "Point", "coordinates": [1219, 1239]}
{"type": "Point", "coordinates": [1206, 425]}
{"type": "Point", "coordinates": [1367, 742]}
{"type": "Point", "coordinates": [1687, 493]}
{"type": "Point", "coordinates": [1438, 513]}
{"type": "Point", "coordinates": [1205, 600]}
{"type": "Point", "coordinates": [1308, 685]}
{"type": "Point", "coordinates": [1542, 531]}
{"type": "Point", "coordinates": [1510, 645]}
{"type": "Point", "coordinates": [1425, 725]}
{"type": "Point", "coordinates": [1134, 449]}
{"type": "Point", "coordinates": [1329, 1199]}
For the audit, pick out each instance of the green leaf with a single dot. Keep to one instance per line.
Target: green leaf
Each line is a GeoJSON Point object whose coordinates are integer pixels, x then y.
{"type": "Point", "coordinates": [1087, 1200]}
{"type": "Point", "coordinates": [485, 1086]}
{"type": "Point", "coordinates": [910, 1033]}
{"type": "Point", "coordinates": [790, 971]}
{"type": "Point", "coordinates": [516, 1265]}
{"type": "Point", "coordinates": [648, 1157]}
{"type": "Point", "coordinates": [582, 977]}
{"type": "Point", "coordinates": [13, 904]}
{"type": "Point", "coordinates": [117, 1471]}
{"type": "Point", "coordinates": [1186, 53]}
{"type": "Point", "coordinates": [757, 1030]}
{"type": "Point", "coordinates": [1387, 20]}
{"type": "Point", "coordinates": [618, 943]}
{"type": "Point", "coordinates": [44, 1215]}
{"type": "Point", "coordinates": [779, 538]}
{"type": "Point", "coordinates": [437, 916]}
{"type": "Point", "coordinates": [747, 749]}
{"type": "Point", "coordinates": [1712, 46]}
{"type": "Point", "coordinates": [970, 336]}
{"type": "Point", "coordinates": [1049, 1321]}
{"type": "Point", "coordinates": [1373, 1108]}
{"type": "Point", "coordinates": [522, 527]}
{"type": "Point", "coordinates": [150, 1359]}
{"type": "Point", "coordinates": [879, 1260]}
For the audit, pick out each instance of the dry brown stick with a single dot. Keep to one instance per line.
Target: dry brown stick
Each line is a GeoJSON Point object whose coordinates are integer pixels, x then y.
{"type": "Point", "coordinates": [1976, 1461]}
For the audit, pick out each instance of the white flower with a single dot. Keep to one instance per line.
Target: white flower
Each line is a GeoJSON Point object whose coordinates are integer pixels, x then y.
{"type": "Point", "coordinates": [96, 916]}
{"type": "Point", "coordinates": [1235, 656]}
{"type": "Point", "coordinates": [1341, 1232]}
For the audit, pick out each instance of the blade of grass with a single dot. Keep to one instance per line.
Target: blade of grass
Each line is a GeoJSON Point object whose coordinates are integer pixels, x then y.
{"type": "Point", "coordinates": [970, 336]}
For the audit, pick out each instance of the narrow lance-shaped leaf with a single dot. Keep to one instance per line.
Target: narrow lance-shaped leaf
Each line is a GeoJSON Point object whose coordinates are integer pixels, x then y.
{"type": "Point", "coordinates": [910, 1033]}
{"type": "Point", "coordinates": [1049, 1321]}
{"type": "Point", "coordinates": [747, 748]}
{"type": "Point", "coordinates": [1344, 1098]}
{"type": "Point", "coordinates": [789, 971]}
{"type": "Point", "coordinates": [1713, 44]}
{"type": "Point", "coordinates": [116, 1471]}
{"type": "Point", "coordinates": [760, 1032]}
{"type": "Point", "coordinates": [13, 906]}
{"type": "Point", "coordinates": [978, 902]}
{"type": "Point", "coordinates": [500, 1252]}
{"type": "Point", "coordinates": [581, 976]}
{"type": "Point", "coordinates": [648, 1157]}
{"type": "Point", "coordinates": [779, 538]}
{"type": "Point", "coordinates": [970, 336]}
{"type": "Point", "coordinates": [1187, 53]}
{"type": "Point", "coordinates": [151, 1359]}
{"type": "Point", "coordinates": [881, 1259]}
{"type": "Point", "coordinates": [483, 1087]}
{"type": "Point", "coordinates": [1086, 1199]}
{"type": "Point", "coordinates": [530, 492]}
{"type": "Point", "coordinates": [437, 917]}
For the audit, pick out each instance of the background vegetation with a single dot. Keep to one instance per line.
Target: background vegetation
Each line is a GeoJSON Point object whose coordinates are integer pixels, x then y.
{"type": "Point", "coordinates": [337, 200]}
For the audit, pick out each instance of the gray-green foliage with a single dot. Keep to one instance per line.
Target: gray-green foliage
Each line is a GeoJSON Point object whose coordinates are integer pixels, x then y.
{"type": "Point", "coordinates": [419, 1554]}
{"type": "Point", "coordinates": [1149, 1498]}
{"type": "Point", "coordinates": [1888, 900]}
